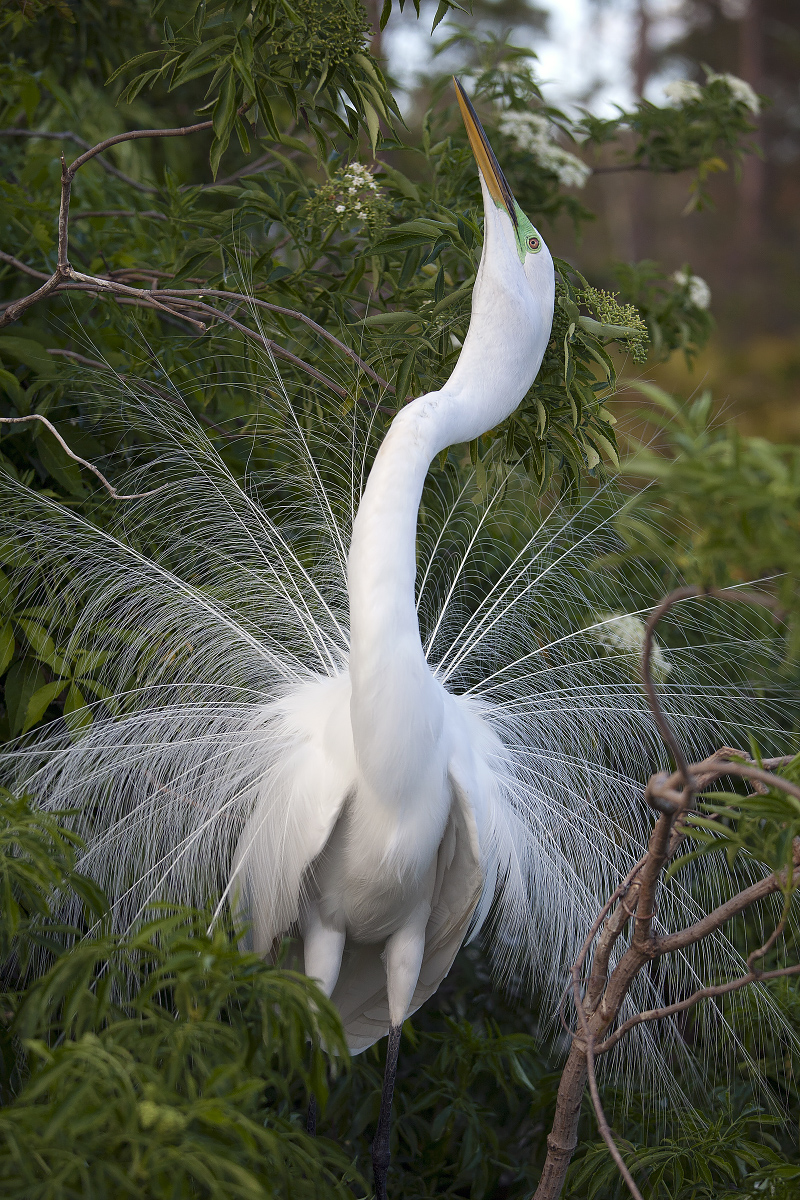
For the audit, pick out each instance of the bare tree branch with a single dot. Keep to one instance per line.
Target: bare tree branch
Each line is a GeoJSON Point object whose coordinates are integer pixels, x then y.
{"type": "Point", "coordinates": [721, 989]}
{"type": "Point", "coordinates": [67, 135]}
{"type": "Point", "coordinates": [21, 266]}
{"type": "Point", "coordinates": [112, 491]}
{"type": "Point", "coordinates": [597, 1008]}
{"type": "Point", "coordinates": [181, 302]}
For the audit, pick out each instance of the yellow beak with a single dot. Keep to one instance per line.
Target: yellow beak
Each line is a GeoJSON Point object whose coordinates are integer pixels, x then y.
{"type": "Point", "coordinates": [484, 155]}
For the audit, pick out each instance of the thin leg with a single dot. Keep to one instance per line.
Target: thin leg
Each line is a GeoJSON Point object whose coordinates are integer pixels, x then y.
{"type": "Point", "coordinates": [311, 1119]}
{"type": "Point", "coordinates": [381, 1153]}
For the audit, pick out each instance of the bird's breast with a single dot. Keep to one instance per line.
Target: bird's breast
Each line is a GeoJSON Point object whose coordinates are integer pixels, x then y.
{"type": "Point", "coordinates": [379, 860]}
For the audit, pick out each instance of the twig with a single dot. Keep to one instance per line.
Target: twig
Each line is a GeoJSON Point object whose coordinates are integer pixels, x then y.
{"type": "Point", "coordinates": [120, 212]}
{"type": "Point", "coordinates": [721, 989]}
{"type": "Point", "coordinates": [81, 358]}
{"type": "Point", "coordinates": [286, 312]}
{"type": "Point", "coordinates": [63, 271]}
{"type": "Point", "coordinates": [112, 491]}
{"type": "Point", "coordinates": [67, 136]}
{"type": "Point", "coordinates": [602, 1122]}
{"type": "Point", "coordinates": [66, 276]}
{"type": "Point", "coordinates": [136, 135]}
{"type": "Point", "coordinates": [21, 266]}
{"type": "Point", "coordinates": [672, 796]}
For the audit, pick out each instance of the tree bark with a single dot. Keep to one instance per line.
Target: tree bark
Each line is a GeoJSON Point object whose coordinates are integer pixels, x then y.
{"type": "Point", "coordinates": [751, 69]}
{"type": "Point", "coordinates": [563, 1137]}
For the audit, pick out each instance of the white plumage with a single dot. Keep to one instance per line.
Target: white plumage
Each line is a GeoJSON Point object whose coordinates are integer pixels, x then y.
{"type": "Point", "coordinates": [275, 731]}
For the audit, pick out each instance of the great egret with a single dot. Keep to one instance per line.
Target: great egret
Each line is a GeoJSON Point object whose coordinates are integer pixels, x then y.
{"type": "Point", "coordinates": [398, 773]}
{"type": "Point", "coordinates": [334, 785]}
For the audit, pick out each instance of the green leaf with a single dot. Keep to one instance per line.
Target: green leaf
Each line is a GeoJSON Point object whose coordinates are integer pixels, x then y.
{"type": "Point", "coordinates": [39, 639]}
{"type": "Point", "coordinates": [403, 379]}
{"type": "Point", "coordinates": [7, 646]}
{"type": "Point", "coordinates": [77, 714]}
{"type": "Point", "coordinates": [25, 350]}
{"type": "Point", "coordinates": [223, 119]}
{"type": "Point", "coordinates": [11, 386]}
{"type": "Point", "coordinates": [373, 125]}
{"type": "Point", "coordinates": [41, 700]}
{"type": "Point", "coordinates": [401, 182]}
{"type": "Point", "coordinates": [25, 677]}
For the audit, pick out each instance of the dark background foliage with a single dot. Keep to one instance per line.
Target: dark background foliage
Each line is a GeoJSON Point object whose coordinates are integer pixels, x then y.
{"type": "Point", "coordinates": [166, 1063]}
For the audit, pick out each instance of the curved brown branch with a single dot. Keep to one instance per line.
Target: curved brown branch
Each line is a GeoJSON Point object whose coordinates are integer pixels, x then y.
{"type": "Point", "coordinates": [65, 277]}
{"type": "Point", "coordinates": [722, 989]}
{"type": "Point", "coordinates": [671, 795]}
{"type": "Point", "coordinates": [136, 135]}
{"type": "Point", "coordinates": [670, 942]}
{"type": "Point", "coordinates": [21, 266]}
{"type": "Point", "coordinates": [80, 358]}
{"type": "Point", "coordinates": [286, 312]}
{"type": "Point", "coordinates": [112, 491]}
{"type": "Point", "coordinates": [63, 270]}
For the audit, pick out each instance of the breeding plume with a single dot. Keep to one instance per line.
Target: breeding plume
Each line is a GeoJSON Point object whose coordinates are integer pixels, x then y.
{"type": "Point", "coordinates": [285, 736]}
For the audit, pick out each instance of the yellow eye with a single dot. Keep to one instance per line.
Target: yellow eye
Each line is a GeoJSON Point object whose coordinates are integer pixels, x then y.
{"type": "Point", "coordinates": [533, 243]}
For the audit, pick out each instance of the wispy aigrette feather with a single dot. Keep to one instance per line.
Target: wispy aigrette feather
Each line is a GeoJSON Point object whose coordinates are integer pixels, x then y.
{"type": "Point", "coordinates": [222, 607]}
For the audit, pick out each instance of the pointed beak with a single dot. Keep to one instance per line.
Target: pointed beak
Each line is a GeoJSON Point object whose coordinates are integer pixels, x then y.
{"type": "Point", "coordinates": [484, 156]}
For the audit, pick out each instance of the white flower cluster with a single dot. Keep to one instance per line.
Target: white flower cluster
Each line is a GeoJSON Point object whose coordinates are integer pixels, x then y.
{"type": "Point", "coordinates": [686, 91]}
{"type": "Point", "coordinates": [740, 90]}
{"type": "Point", "coordinates": [351, 195]}
{"type": "Point", "coordinates": [683, 91]}
{"type": "Point", "coordinates": [355, 179]}
{"type": "Point", "coordinates": [532, 133]}
{"type": "Point", "coordinates": [623, 633]}
{"type": "Point", "coordinates": [699, 291]}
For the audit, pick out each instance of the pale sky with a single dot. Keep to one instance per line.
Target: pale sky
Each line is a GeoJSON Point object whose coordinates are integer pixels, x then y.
{"type": "Point", "coordinates": [585, 56]}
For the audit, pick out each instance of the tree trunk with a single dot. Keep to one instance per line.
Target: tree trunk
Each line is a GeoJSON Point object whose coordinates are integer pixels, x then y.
{"type": "Point", "coordinates": [751, 69]}
{"type": "Point", "coordinates": [563, 1137]}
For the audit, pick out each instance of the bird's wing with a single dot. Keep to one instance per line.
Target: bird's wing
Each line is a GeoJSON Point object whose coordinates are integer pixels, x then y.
{"type": "Point", "coordinates": [360, 993]}
{"type": "Point", "coordinates": [300, 795]}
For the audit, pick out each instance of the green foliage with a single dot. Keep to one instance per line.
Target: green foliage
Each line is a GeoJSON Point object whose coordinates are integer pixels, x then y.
{"type": "Point", "coordinates": [674, 321]}
{"type": "Point", "coordinates": [729, 505]}
{"type": "Point", "coordinates": [761, 827]}
{"type": "Point", "coordinates": [43, 673]}
{"type": "Point", "coordinates": [37, 859]}
{"type": "Point", "coordinates": [394, 284]}
{"type": "Point", "coordinates": [167, 1062]}
{"type": "Point", "coordinates": [264, 52]}
{"type": "Point", "coordinates": [713, 1159]}
{"type": "Point", "coordinates": [689, 136]}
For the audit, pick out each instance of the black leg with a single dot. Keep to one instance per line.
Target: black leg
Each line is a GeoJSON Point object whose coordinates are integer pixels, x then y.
{"type": "Point", "coordinates": [311, 1119]}
{"type": "Point", "coordinates": [381, 1153]}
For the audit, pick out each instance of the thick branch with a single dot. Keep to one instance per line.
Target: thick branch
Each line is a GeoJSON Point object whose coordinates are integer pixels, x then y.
{"type": "Point", "coordinates": [672, 797]}
{"type": "Point", "coordinates": [670, 942]}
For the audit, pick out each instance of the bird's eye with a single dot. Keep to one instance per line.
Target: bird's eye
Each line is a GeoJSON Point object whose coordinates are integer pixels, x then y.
{"type": "Point", "coordinates": [533, 243]}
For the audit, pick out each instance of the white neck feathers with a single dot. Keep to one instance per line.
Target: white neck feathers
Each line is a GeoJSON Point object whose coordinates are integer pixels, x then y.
{"type": "Point", "coordinates": [510, 327]}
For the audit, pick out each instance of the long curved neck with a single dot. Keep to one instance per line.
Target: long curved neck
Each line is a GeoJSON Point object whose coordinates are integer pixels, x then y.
{"type": "Point", "coordinates": [382, 561]}
{"type": "Point", "coordinates": [395, 704]}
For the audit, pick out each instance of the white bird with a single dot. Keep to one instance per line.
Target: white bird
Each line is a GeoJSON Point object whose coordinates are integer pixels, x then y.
{"type": "Point", "coordinates": [394, 786]}
{"type": "Point", "coordinates": [328, 783]}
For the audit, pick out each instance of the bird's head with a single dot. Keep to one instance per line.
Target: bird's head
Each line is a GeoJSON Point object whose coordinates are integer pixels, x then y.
{"type": "Point", "coordinates": [529, 244]}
